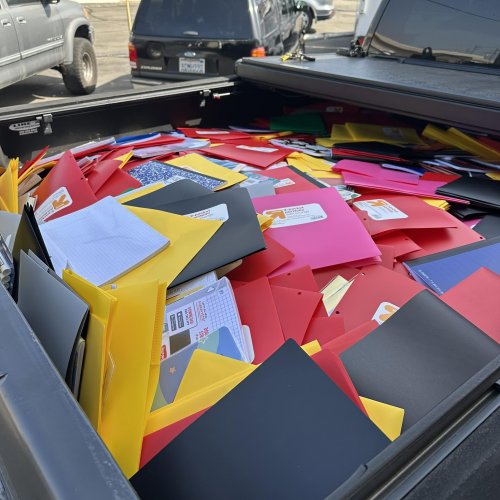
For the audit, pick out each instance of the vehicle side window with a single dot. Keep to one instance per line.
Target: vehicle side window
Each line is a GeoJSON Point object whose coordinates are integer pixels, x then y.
{"type": "Point", "coordinates": [269, 15]}
{"type": "Point", "coordinates": [15, 3]}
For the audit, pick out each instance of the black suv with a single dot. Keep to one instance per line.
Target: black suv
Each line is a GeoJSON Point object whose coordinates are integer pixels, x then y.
{"type": "Point", "coordinates": [189, 39]}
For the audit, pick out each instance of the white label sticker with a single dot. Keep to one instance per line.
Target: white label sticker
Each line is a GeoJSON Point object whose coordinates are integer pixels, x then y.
{"type": "Point", "coordinates": [295, 216]}
{"type": "Point", "coordinates": [54, 203]}
{"type": "Point", "coordinates": [259, 150]}
{"type": "Point", "coordinates": [284, 182]}
{"type": "Point", "coordinates": [219, 212]}
{"type": "Point", "coordinates": [380, 210]}
{"type": "Point", "coordinates": [384, 312]}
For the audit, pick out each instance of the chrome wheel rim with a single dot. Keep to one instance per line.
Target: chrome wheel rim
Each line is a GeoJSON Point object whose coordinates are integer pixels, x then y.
{"type": "Point", "coordinates": [87, 67]}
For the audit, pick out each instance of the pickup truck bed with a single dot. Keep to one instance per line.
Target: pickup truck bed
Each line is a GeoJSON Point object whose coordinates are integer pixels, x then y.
{"type": "Point", "coordinates": [445, 445]}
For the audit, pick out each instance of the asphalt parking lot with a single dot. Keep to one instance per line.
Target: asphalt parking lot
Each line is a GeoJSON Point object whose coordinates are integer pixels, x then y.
{"type": "Point", "coordinates": [110, 21]}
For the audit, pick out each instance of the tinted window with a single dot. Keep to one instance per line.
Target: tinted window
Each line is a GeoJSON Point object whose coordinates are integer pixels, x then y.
{"type": "Point", "coordinates": [456, 30]}
{"type": "Point", "coordinates": [194, 18]}
{"type": "Point", "coordinates": [14, 3]}
{"type": "Point", "coordinates": [268, 12]}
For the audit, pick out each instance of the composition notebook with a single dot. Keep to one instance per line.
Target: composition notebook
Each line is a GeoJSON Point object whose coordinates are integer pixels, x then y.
{"type": "Point", "coordinates": [441, 271]}
{"type": "Point", "coordinates": [285, 440]}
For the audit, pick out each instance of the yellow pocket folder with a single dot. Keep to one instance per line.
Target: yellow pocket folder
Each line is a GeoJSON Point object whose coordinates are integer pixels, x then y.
{"type": "Point", "coordinates": [187, 237]}
{"type": "Point", "coordinates": [207, 167]}
{"type": "Point", "coordinates": [8, 188]}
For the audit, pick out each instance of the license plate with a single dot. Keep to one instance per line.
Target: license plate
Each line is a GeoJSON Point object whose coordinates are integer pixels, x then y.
{"type": "Point", "coordinates": [189, 65]}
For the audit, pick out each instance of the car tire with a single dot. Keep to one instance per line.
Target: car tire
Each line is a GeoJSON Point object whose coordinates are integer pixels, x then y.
{"type": "Point", "coordinates": [80, 77]}
{"type": "Point", "coordinates": [308, 18]}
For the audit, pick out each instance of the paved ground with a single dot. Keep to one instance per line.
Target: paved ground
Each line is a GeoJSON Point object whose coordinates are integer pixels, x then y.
{"type": "Point", "coordinates": [111, 26]}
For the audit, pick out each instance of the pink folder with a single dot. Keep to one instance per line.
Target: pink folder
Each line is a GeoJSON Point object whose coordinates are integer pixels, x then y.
{"type": "Point", "coordinates": [375, 170]}
{"type": "Point", "coordinates": [423, 188]}
{"type": "Point", "coordinates": [318, 227]}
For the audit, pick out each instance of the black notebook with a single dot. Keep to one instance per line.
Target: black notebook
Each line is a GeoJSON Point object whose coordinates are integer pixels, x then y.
{"type": "Point", "coordinates": [479, 191]}
{"type": "Point", "coordinates": [418, 357]}
{"type": "Point", "coordinates": [28, 238]}
{"type": "Point", "coordinates": [177, 191]}
{"type": "Point", "coordinates": [287, 431]}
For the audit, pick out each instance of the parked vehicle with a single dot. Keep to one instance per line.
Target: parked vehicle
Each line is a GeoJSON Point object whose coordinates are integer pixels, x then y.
{"type": "Point", "coordinates": [317, 10]}
{"type": "Point", "coordinates": [38, 35]}
{"type": "Point", "coordinates": [47, 446]}
{"type": "Point", "coordinates": [189, 39]}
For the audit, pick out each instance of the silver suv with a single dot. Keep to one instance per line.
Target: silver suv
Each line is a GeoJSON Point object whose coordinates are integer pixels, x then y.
{"type": "Point", "coordinates": [318, 10]}
{"type": "Point", "coordinates": [36, 35]}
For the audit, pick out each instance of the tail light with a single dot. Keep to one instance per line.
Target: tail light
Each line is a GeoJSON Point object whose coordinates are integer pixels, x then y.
{"type": "Point", "coordinates": [132, 55]}
{"type": "Point", "coordinates": [258, 52]}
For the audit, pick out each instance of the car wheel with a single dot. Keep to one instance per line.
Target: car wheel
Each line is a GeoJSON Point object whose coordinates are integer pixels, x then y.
{"type": "Point", "coordinates": [308, 19]}
{"type": "Point", "coordinates": [80, 77]}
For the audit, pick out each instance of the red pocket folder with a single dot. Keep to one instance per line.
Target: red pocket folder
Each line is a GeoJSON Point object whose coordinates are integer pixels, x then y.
{"type": "Point", "coordinates": [296, 309]}
{"type": "Point", "coordinates": [64, 190]}
{"type": "Point", "coordinates": [262, 263]}
{"type": "Point", "coordinates": [386, 213]}
{"type": "Point", "coordinates": [257, 153]}
{"type": "Point", "coordinates": [290, 181]}
{"type": "Point", "coordinates": [476, 298]}
{"type": "Point", "coordinates": [375, 293]}
{"type": "Point", "coordinates": [257, 310]}
{"type": "Point", "coordinates": [325, 329]}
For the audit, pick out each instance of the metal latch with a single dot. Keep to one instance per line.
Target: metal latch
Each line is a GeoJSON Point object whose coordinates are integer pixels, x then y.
{"type": "Point", "coordinates": [46, 123]}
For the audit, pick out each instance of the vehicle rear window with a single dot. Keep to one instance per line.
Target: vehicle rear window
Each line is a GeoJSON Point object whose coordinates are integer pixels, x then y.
{"type": "Point", "coordinates": [194, 18]}
{"type": "Point", "coordinates": [456, 30]}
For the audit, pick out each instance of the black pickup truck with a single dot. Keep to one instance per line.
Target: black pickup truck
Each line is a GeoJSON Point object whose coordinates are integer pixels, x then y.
{"type": "Point", "coordinates": [434, 61]}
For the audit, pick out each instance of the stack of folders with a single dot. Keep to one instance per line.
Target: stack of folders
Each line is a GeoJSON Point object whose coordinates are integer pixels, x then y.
{"type": "Point", "coordinates": [266, 306]}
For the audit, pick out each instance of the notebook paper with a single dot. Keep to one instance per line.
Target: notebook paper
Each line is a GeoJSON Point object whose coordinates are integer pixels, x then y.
{"type": "Point", "coordinates": [101, 242]}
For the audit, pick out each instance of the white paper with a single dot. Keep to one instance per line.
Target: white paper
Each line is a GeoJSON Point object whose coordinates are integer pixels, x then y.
{"type": "Point", "coordinates": [101, 242]}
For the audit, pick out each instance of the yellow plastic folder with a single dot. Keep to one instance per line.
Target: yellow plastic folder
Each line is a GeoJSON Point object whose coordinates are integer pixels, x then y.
{"type": "Point", "coordinates": [101, 305]}
{"type": "Point", "coordinates": [265, 222]}
{"type": "Point", "coordinates": [8, 188]}
{"type": "Point", "coordinates": [389, 419]}
{"type": "Point", "coordinates": [141, 191]}
{"type": "Point", "coordinates": [133, 370]}
{"type": "Point", "coordinates": [207, 167]}
{"type": "Point", "coordinates": [208, 378]}
{"type": "Point", "coordinates": [383, 133]}
{"type": "Point", "coordinates": [306, 163]}
{"type": "Point", "coordinates": [340, 133]}
{"type": "Point", "coordinates": [187, 237]}
{"type": "Point", "coordinates": [456, 138]}
{"type": "Point", "coordinates": [442, 204]}
{"type": "Point", "coordinates": [122, 362]}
